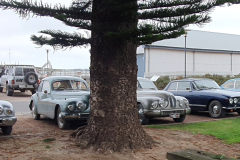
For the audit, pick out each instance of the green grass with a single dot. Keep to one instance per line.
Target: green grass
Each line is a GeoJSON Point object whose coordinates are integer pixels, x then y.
{"type": "Point", "coordinates": [226, 129]}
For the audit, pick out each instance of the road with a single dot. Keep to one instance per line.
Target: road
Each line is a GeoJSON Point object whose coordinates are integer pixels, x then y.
{"type": "Point", "coordinates": [20, 101]}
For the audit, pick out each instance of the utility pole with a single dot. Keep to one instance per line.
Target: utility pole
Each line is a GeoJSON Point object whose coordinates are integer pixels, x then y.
{"type": "Point", "coordinates": [47, 56]}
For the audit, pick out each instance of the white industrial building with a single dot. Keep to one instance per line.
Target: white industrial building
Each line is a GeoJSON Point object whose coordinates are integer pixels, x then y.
{"type": "Point", "coordinates": [206, 53]}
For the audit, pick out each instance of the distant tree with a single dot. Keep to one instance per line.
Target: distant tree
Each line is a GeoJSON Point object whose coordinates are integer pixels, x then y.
{"type": "Point", "coordinates": [117, 28]}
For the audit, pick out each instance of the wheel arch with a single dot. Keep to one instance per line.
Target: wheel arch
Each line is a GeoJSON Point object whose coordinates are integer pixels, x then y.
{"type": "Point", "coordinates": [213, 99]}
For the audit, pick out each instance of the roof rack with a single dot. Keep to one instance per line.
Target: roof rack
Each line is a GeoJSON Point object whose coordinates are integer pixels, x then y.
{"type": "Point", "coordinates": [13, 65]}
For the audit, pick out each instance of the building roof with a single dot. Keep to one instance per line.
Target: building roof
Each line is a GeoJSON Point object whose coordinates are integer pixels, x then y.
{"type": "Point", "coordinates": [201, 41]}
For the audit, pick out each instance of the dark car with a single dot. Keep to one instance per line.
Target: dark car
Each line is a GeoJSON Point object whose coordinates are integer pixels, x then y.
{"type": "Point", "coordinates": [206, 95]}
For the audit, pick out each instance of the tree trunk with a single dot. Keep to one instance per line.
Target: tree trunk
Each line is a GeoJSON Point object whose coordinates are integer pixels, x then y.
{"type": "Point", "coordinates": [114, 123]}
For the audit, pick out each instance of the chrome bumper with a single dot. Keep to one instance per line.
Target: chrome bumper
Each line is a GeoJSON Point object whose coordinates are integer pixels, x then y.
{"type": "Point", "coordinates": [74, 116]}
{"type": "Point", "coordinates": [7, 121]}
{"type": "Point", "coordinates": [166, 113]}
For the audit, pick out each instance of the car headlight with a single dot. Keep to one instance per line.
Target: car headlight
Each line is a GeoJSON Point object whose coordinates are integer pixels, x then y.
{"type": "Point", "coordinates": [235, 100]}
{"type": "Point", "coordinates": [163, 103]}
{"type": "Point", "coordinates": [1, 109]}
{"type": "Point", "coordinates": [181, 103]}
{"type": "Point", "coordinates": [81, 106]}
{"type": "Point", "coordinates": [71, 107]}
{"type": "Point", "coordinates": [8, 111]}
{"type": "Point", "coordinates": [231, 101]}
{"type": "Point", "coordinates": [154, 105]}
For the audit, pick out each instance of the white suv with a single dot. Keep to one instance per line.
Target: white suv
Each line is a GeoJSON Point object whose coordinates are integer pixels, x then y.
{"type": "Point", "coordinates": [18, 77]}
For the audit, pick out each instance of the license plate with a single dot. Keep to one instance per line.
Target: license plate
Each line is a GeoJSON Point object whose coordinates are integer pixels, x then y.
{"type": "Point", "coordinates": [25, 86]}
{"type": "Point", "coordinates": [174, 115]}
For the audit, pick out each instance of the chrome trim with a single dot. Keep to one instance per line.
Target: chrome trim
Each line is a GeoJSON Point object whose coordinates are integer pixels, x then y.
{"type": "Point", "coordinates": [231, 107]}
{"type": "Point", "coordinates": [197, 105]}
{"type": "Point", "coordinates": [7, 121]}
{"type": "Point", "coordinates": [75, 116]}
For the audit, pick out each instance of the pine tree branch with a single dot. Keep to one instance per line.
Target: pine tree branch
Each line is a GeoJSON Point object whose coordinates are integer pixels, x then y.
{"type": "Point", "coordinates": [26, 8]}
{"type": "Point", "coordinates": [196, 8]}
{"type": "Point", "coordinates": [60, 40]}
{"type": "Point", "coordinates": [148, 39]}
{"type": "Point", "coordinates": [165, 3]}
{"type": "Point", "coordinates": [82, 24]}
{"type": "Point", "coordinates": [170, 24]}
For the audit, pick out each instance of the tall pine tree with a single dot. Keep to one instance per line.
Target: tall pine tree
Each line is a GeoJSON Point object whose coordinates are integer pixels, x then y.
{"type": "Point", "coordinates": [117, 28]}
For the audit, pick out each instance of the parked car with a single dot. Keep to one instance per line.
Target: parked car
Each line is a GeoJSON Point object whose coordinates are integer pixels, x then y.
{"type": "Point", "coordinates": [155, 103]}
{"type": "Point", "coordinates": [7, 117]}
{"type": "Point", "coordinates": [206, 95]}
{"type": "Point", "coordinates": [232, 85]}
{"type": "Point", "coordinates": [63, 98]}
{"type": "Point", "coordinates": [18, 77]}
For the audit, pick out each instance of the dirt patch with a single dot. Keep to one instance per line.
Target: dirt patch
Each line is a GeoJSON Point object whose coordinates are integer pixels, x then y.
{"type": "Point", "coordinates": [26, 142]}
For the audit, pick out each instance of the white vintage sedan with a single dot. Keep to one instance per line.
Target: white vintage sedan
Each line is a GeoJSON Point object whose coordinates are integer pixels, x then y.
{"type": "Point", "coordinates": [7, 117]}
{"type": "Point", "coordinates": [62, 98]}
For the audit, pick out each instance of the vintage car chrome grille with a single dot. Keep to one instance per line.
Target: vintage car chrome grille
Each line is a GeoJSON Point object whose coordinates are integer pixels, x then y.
{"type": "Point", "coordinates": [172, 101]}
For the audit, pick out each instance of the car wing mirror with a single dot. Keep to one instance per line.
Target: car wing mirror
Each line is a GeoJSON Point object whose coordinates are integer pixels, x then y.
{"type": "Point", "coordinates": [188, 89]}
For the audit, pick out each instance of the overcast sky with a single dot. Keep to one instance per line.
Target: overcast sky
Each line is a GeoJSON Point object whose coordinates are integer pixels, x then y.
{"type": "Point", "coordinates": [17, 48]}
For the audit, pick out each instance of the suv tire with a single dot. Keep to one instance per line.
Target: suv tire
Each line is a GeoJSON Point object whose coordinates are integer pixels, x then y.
{"type": "Point", "coordinates": [31, 78]}
{"type": "Point", "coordinates": [9, 91]}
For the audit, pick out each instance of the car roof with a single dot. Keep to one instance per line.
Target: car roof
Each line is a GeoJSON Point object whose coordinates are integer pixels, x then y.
{"type": "Point", "coordinates": [193, 79]}
{"type": "Point", "coordinates": [234, 79]}
{"type": "Point", "coordinates": [51, 78]}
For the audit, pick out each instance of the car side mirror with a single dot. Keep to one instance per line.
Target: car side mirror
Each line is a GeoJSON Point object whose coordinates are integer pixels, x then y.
{"type": "Point", "coordinates": [188, 88]}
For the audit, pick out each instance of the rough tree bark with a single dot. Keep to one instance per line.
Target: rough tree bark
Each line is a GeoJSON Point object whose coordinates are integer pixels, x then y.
{"type": "Point", "coordinates": [114, 123]}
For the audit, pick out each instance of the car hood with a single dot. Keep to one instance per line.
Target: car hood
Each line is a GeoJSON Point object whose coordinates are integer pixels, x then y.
{"type": "Point", "coordinates": [70, 94]}
{"type": "Point", "coordinates": [224, 92]}
{"type": "Point", "coordinates": [153, 93]}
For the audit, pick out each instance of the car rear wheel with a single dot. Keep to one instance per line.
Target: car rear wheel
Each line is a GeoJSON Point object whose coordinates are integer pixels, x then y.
{"type": "Point", "coordinates": [9, 91]}
{"type": "Point", "coordinates": [35, 115]}
{"type": "Point", "coordinates": [7, 130]}
{"type": "Point", "coordinates": [62, 123]}
{"type": "Point", "coordinates": [215, 109]}
{"type": "Point", "coordinates": [22, 90]}
{"type": "Point", "coordinates": [143, 119]}
{"type": "Point", "coordinates": [33, 91]}
{"type": "Point", "coordinates": [179, 120]}
{"type": "Point", "coordinates": [1, 89]}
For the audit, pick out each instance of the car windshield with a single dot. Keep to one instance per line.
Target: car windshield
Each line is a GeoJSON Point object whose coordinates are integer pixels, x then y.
{"type": "Point", "coordinates": [62, 85]}
{"type": "Point", "coordinates": [146, 85]}
{"type": "Point", "coordinates": [206, 84]}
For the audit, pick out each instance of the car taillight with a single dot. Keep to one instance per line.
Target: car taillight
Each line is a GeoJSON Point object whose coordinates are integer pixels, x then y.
{"type": "Point", "coordinates": [13, 82]}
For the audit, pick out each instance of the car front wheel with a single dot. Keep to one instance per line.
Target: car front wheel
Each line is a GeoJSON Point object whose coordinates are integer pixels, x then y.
{"type": "Point", "coordinates": [7, 130]}
{"type": "Point", "coordinates": [143, 119]}
{"type": "Point", "coordinates": [62, 123]}
{"type": "Point", "coordinates": [215, 109]}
